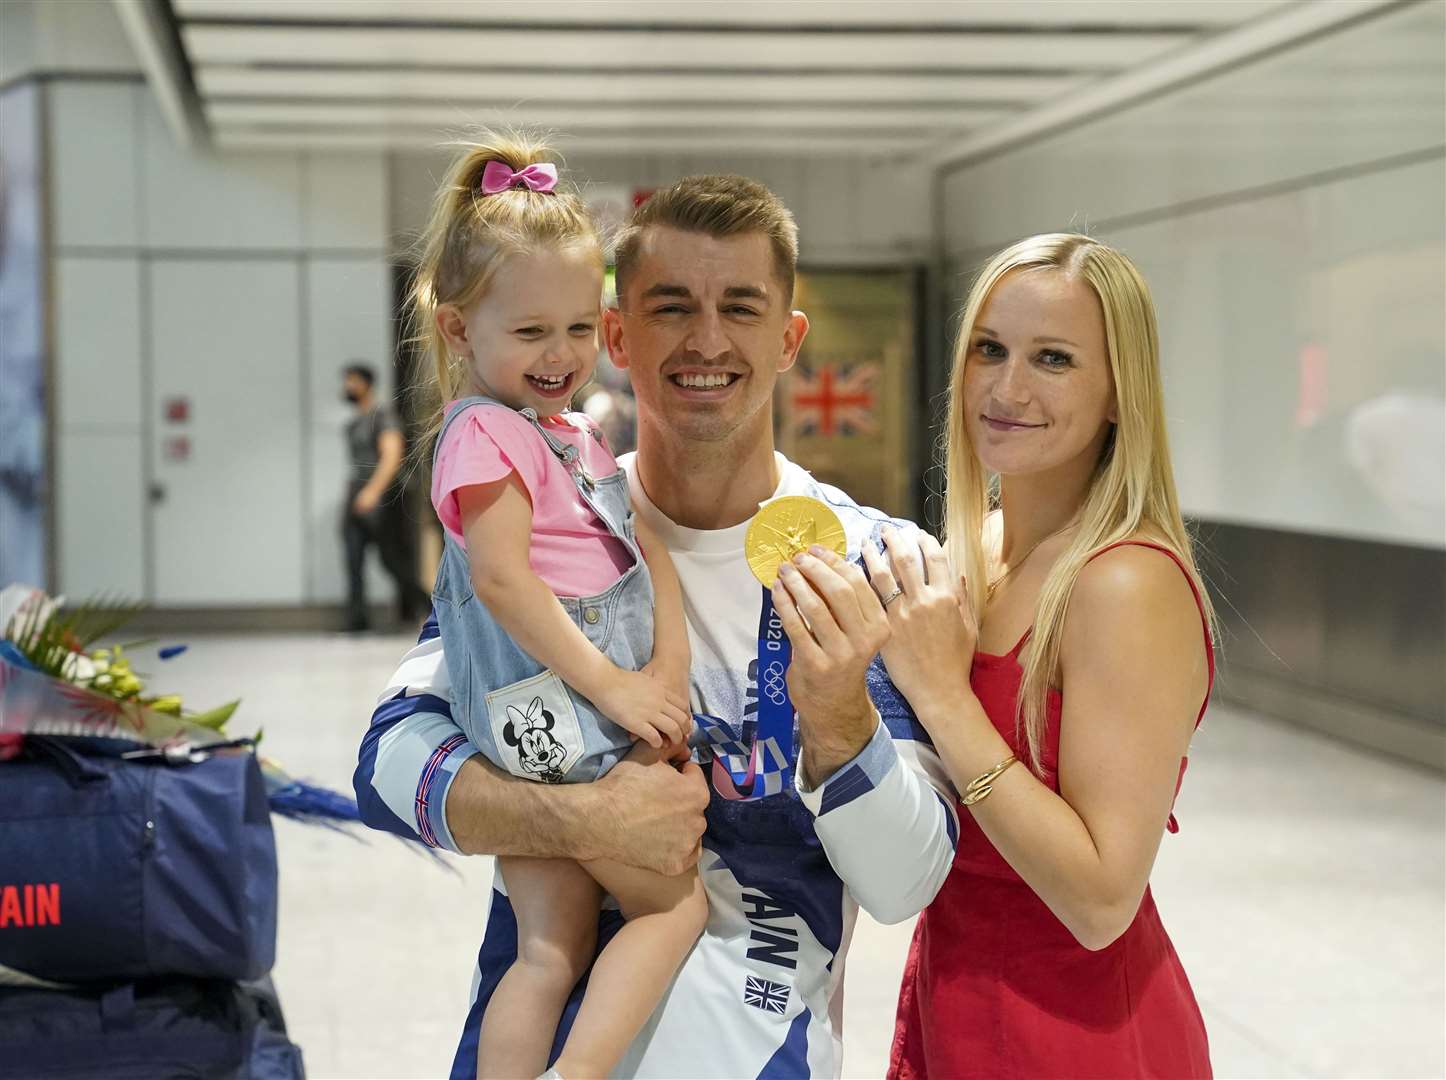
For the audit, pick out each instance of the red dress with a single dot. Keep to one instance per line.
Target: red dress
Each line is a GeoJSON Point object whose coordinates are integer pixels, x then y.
{"type": "Point", "coordinates": [995, 986]}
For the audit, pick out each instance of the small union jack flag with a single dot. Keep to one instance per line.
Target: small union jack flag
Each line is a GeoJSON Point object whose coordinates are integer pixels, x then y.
{"type": "Point", "coordinates": [834, 399]}
{"type": "Point", "coordinates": [765, 995]}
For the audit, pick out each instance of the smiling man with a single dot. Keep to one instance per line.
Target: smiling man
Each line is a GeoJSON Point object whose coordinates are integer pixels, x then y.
{"type": "Point", "coordinates": [705, 326]}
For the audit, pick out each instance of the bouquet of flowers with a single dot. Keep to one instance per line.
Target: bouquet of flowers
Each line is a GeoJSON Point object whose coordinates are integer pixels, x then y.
{"type": "Point", "coordinates": [55, 681]}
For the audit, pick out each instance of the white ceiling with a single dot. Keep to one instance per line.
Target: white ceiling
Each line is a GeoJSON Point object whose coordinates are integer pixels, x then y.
{"type": "Point", "coordinates": [804, 77]}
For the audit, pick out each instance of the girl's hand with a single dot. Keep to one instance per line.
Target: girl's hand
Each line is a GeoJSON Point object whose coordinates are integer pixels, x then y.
{"type": "Point", "coordinates": [671, 671]}
{"type": "Point", "coordinates": [931, 647]}
{"type": "Point", "coordinates": [646, 707]}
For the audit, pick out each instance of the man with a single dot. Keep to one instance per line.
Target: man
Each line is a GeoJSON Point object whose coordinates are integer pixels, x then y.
{"type": "Point", "coordinates": [373, 506]}
{"type": "Point", "coordinates": [704, 327]}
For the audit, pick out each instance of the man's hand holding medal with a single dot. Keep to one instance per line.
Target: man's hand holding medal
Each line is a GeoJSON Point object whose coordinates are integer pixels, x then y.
{"type": "Point", "coordinates": [834, 623]}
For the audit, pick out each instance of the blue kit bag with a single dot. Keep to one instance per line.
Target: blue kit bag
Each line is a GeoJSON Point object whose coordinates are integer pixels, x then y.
{"type": "Point", "coordinates": [115, 869]}
{"type": "Point", "coordinates": [179, 1029]}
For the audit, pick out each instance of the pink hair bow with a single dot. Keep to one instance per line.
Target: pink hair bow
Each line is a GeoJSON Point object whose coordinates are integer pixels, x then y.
{"type": "Point", "coordinates": [497, 176]}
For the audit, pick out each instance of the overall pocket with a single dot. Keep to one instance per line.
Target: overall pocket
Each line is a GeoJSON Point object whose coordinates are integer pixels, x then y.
{"type": "Point", "coordinates": [535, 727]}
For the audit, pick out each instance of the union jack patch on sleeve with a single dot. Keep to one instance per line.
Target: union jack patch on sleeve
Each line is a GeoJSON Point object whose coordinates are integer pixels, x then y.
{"type": "Point", "coordinates": [762, 994]}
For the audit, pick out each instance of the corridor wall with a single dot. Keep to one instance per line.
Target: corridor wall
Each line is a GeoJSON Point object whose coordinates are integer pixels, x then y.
{"type": "Point", "coordinates": [1290, 216]}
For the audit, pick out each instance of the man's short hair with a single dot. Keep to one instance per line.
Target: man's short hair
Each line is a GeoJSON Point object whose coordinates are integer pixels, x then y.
{"type": "Point", "coordinates": [716, 206]}
{"type": "Point", "coordinates": [365, 372]}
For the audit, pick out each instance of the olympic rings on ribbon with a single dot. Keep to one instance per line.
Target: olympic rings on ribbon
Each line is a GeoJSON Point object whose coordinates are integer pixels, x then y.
{"type": "Point", "coordinates": [773, 684]}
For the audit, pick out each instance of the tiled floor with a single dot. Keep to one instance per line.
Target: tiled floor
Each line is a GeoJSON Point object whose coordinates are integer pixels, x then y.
{"type": "Point", "coordinates": [1305, 893]}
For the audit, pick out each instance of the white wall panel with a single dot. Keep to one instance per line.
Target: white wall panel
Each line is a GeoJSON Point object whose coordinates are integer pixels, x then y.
{"type": "Point", "coordinates": [850, 210]}
{"type": "Point", "coordinates": [100, 493]}
{"type": "Point", "coordinates": [209, 201]}
{"type": "Point", "coordinates": [227, 337]}
{"type": "Point", "coordinates": [325, 553]}
{"type": "Point", "coordinates": [93, 142]}
{"type": "Point", "coordinates": [1302, 348]}
{"type": "Point", "coordinates": [348, 318]}
{"type": "Point", "coordinates": [1354, 97]}
{"type": "Point", "coordinates": [346, 201]}
{"type": "Point", "coordinates": [97, 313]}
{"type": "Point", "coordinates": [891, 208]}
{"type": "Point", "coordinates": [100, 478]}
{"type": "Point", "coordinates": [1290, 216]}
{"type": "Point", "coordinates": [229, 334]}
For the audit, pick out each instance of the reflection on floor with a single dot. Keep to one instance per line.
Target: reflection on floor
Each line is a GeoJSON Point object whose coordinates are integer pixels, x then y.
{"type": "Point", "coordinates": [1304, 893]}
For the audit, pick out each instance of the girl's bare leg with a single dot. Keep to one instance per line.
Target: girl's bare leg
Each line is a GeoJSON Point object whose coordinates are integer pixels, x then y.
{"type": "Point", "coordinates": [664, 916]}
{"type": "Point", "coordinates": [556, 903]}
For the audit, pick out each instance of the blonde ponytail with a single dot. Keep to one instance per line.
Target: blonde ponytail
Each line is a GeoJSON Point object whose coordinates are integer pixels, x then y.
{"type": "Point", "coordinates": [468, 236]}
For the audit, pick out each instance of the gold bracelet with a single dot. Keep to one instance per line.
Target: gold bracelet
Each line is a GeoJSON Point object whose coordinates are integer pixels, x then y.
{"type": "Point", "coordinates": [980, 787]}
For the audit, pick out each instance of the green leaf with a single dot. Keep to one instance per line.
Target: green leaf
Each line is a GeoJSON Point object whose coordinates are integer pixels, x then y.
{"type": "Point", "coordinates": [133, 645]}
{"type": "Point", "coordinates": [48, 643]}
{"type": "Point", "coordinates": [215, 718]}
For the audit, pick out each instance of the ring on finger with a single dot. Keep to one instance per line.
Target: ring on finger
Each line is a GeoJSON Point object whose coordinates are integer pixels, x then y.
{"type": "Point", "coordinates": [893, 596]}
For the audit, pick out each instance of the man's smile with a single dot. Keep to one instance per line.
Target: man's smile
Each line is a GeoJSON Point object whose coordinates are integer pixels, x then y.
{"type": "Point", "coordinates": [704, 384]}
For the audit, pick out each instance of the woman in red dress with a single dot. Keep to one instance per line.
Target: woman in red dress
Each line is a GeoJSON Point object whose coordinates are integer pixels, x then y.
{"type": "Point", "coordinates": [1061, 685]}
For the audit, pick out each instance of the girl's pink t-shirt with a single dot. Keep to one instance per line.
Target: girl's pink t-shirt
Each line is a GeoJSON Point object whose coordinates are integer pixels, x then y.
{"type": "Point", "coordinates": [572, 550]}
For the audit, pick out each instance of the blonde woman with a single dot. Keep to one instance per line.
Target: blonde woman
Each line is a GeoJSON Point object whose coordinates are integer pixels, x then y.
{"type": "Point", "coordinates": [1061, 676]}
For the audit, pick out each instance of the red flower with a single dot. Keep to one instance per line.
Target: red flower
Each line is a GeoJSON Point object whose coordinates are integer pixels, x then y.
{"type": "Point", "coordinates": [91, 709]}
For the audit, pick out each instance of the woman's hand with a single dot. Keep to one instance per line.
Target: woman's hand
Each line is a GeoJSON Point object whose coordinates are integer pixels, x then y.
{"type": "Point", "coordinates": [932, 632]}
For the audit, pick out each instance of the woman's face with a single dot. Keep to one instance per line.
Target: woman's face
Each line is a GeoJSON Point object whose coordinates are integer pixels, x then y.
{"type": "Point", "coordinates": [1038, 393]}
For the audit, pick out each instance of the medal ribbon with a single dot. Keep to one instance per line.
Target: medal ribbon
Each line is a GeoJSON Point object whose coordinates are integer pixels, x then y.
{"type": "Point", "coordinates": [765, 768]}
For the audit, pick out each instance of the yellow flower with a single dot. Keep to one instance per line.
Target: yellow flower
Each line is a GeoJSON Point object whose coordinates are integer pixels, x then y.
{"type": "Point", "coordinates": [170, 703]}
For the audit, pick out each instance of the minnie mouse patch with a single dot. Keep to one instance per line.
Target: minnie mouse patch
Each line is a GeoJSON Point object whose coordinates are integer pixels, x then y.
{"type": "Point", "coordinates": [535, 728]}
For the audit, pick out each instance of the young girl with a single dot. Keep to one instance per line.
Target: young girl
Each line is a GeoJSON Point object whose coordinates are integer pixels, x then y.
{"type": "Point", "coordinates": [549, 598]}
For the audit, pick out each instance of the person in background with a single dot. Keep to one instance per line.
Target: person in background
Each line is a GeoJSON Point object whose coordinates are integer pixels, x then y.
{"type": "Point", "coordinates": [373, 508]}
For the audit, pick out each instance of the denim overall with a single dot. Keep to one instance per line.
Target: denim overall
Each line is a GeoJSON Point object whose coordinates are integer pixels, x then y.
{"type": "Point", "coordinates": [517, 712]}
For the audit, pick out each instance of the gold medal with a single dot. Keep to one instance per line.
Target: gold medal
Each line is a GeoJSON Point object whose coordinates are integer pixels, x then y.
{"type": "Point", "coordinates": [784, 527]}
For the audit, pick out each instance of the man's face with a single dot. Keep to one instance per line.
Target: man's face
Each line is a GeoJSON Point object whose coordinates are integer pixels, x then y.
{"type": "Point", "coordinates": [704, 330]}
{"type": "Point", "coordinates": [353, 387]}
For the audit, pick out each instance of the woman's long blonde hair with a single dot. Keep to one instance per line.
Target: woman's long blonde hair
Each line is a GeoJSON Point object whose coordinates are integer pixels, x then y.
{"type": "Point", "coordinates": [1132, 492]}
{"type": "Point", "coordinates": [468, 236]}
